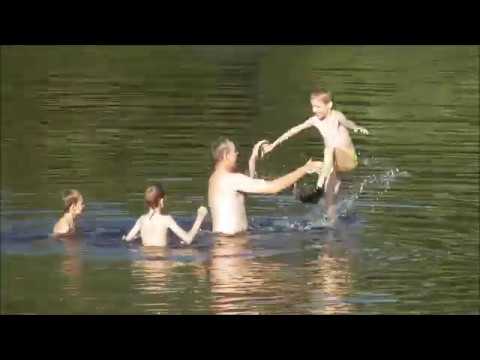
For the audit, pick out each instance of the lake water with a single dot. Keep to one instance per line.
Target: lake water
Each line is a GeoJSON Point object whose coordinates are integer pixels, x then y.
{"type": "Point", "coordinates": [108, 120]}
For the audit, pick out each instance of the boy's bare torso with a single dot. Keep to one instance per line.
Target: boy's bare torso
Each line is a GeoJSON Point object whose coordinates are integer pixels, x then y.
{"type": "Point", "coordinates": [333, 132]}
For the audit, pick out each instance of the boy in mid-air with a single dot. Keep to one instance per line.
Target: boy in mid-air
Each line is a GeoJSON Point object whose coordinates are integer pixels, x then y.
{"type": "Point", "coordinates": [339, 153]}
{"type": "Point", "coordinates": [153, 226]}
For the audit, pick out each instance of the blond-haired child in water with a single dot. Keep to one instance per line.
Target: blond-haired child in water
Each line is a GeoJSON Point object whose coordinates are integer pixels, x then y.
{"type": "Point", "coordinates": [74, 206]}
{"type": "Point", "coordinates": [153, 226]}
{"type": "Point", "coordinates": [339, 152]}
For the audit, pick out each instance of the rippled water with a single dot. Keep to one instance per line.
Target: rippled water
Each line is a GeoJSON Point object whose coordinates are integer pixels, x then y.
{"type": "Point", "coordinates": [110, 120]}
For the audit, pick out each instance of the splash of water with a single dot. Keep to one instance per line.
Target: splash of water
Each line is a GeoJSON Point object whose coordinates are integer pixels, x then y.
{"type": "Point", "coordinates": [316, 217]}
{"type": "Point", "coordinates": [380, 184]}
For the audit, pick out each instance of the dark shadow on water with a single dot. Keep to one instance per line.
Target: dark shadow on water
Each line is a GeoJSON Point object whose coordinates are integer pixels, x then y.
{"type": "Point", "coordinates": [97, 237]}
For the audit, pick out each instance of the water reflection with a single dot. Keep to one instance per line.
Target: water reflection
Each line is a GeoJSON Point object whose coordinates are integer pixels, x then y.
{"type": "Point", "coordinates": [170, 280]}
{"type": "Point", "coordinates": [331, 277]}
{"type": "Point", "coordinates": [152, 269]}
{"type": "Point", "coordinates": [71, 265]}
{"type": "Point", "coordinates": [238, 281]}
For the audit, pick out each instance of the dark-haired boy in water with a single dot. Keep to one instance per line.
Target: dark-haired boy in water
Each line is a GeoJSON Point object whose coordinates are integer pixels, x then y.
{"type": "Point", "coordinates": [339, 153]}
{"type": "Point", "coordinates": [153, 226]}
{"type": "Point", "coordinates": [74, 206]}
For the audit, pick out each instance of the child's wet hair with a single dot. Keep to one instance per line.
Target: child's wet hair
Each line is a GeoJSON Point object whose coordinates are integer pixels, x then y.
{"type": "Point", "coordinates": [153, 195]}
{"type": "Point", "coordinates": [70, 197]}
{"type": "Point", "coordinates": [220, 147]}
{"type": "Point", "coordinates": [323, 94]}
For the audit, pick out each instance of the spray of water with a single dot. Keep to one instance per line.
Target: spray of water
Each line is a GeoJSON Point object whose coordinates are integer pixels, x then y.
{"type": "Point", "coordinates": [374, 184]}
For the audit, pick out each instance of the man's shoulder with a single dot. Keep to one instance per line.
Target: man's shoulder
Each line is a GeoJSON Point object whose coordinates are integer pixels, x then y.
{"type": "Point", "coordinates": [228, 176]}
{"type": "Point", "coordinates": [235, 179]}
{"type": "Point", "coordinates": [239, 175]}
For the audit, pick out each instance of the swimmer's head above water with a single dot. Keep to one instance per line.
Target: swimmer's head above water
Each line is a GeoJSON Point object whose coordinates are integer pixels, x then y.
{"type": "Point", "coordinates": [155, 196]}
{"type": "Point", "coordinates": [224, 151]}
{"type": "Point", "coordinates": [73, 202]}
{"type": "Point", "coordinates": [73, 208]}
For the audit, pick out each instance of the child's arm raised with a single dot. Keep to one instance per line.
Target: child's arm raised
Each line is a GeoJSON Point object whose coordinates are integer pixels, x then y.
{"type": "Point", "coordinates": [349, 124]}
{"type": "Point", "coordinates": [288, 134]}
{"type": "Point", "coordinates": [182, 234]}
{"type": "Point", "coordinates": [133, 233]}
{"type": "Point", "coordinates": [254, 157]}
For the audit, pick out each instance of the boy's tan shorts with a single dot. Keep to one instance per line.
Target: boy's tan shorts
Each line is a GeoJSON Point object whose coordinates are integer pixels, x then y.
{"type": "Point", "coordinates": [345, 160]}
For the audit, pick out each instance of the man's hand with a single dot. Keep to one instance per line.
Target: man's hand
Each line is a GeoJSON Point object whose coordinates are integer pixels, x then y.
{"type": "Point", "coordinates": [313, 166]}
{"type": "Point", "coordinates": [362, 130]}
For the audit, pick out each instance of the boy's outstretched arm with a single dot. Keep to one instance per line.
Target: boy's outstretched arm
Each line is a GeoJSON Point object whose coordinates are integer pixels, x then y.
{"type": "Point", "coordinates": [188, 237]}
{"type": "Point", "coordinates": [288, 134]}
{"type": "Point", "coordinates": [349, 124]}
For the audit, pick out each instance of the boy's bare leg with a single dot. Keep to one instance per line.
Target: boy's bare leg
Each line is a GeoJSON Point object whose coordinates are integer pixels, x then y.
{"type": "Point", "coordinates": [328, 163]}
{"type": "Point", "coordinates": [332, 186]}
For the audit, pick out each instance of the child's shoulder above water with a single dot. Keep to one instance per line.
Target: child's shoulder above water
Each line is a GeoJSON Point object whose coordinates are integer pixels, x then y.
{"type": "Point", "coordinates": [152, 227]}
{"type": "Point", "coordinates": [73, 208]}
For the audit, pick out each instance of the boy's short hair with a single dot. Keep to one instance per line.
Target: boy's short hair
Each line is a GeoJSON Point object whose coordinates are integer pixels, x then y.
{"type": "Point", "coordinates": [153, 195]}
{"type": "Point", "coordinates": [324, 95]}
{"type": "Point", "coordinates": [70, 197]}
{"type": "Point", "coordinates": [220, 147]}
